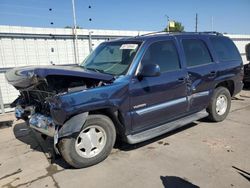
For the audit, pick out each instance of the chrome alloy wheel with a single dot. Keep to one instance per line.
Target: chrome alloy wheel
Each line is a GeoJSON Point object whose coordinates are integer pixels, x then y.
{"type": "Point", "coordinates": [221, 104]}
{"type": "Point", "coordinates": [91, 141]}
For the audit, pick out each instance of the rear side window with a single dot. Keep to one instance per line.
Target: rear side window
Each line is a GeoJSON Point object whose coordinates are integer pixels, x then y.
{"type": "Point", "coordinates": [196, 52]}
{"type": "Point", "coordinates": [225, 49]}
{"type": "Point", "coordinates": [164, 54]}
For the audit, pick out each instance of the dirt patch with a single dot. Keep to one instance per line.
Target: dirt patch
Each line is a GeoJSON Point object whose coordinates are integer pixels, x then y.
{"type": "Point", "coordinates": [218, 144]}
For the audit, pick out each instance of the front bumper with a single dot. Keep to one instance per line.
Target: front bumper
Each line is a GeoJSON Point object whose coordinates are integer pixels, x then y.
{"type": "Point", "coordinates": [39, 122]}
{"type": "Point", "coordinates": [46, 125]}
{"type": "Point", "coordinates": [42, 123]}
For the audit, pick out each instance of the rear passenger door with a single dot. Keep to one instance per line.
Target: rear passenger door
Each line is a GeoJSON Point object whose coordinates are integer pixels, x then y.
{"type": "Point", "coordinates": [201, 71]}
{"type": "Point", "coordinates": [155, 100]}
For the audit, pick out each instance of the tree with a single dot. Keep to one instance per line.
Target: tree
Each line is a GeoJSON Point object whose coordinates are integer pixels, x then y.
{"type": "Point", "coordinates": [178, 27]}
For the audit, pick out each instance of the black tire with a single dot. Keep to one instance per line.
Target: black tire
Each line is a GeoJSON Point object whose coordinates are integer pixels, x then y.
{"type": "Point", "coordinates": [213, 114]}
{"type": "Point", "coordinates": [67, 146]}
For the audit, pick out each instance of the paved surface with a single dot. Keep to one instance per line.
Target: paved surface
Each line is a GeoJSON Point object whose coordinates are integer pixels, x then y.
{"type": "Point", "coordinates": [203, 154]}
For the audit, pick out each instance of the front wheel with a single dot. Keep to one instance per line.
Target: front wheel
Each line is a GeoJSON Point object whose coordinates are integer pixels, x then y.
{"type": "Point", "coordinates": [91, 145]}
{"type": "Point", "coordinates": [220, 104]}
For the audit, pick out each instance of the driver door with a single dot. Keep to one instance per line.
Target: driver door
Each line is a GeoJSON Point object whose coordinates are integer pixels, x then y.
{"type": "Point", "coordinates": [156, 100]}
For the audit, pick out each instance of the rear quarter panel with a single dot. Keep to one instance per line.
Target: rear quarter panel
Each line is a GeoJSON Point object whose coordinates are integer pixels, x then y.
{"type": "Point", "coordinates": [228, 70]}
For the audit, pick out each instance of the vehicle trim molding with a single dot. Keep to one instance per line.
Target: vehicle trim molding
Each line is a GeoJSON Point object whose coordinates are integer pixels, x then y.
{"type": "Point", "coordinates": [200, 94]}
{"type": "Point", "coordinates": [160, 106]}
{"type": "Point", "coordinates": [169, 103]}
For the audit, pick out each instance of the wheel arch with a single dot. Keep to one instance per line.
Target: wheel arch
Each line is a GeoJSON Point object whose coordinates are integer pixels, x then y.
{"type": "Point", "coordinates": [229, 84]}
{"type": "Point", "coordinates": [75, 123]}
{"type": "Point", "coordinates": [115, 115]}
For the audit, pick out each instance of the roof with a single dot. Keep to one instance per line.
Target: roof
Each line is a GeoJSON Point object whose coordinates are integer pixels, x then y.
{"type": "Point", "coordinates": [162, 34]}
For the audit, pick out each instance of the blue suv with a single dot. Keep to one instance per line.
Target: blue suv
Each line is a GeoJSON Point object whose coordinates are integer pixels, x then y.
{"type": "Point", "coordinates": [133, 89]}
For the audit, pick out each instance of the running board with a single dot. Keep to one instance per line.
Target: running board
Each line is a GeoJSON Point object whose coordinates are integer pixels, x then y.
{"type": "Point", "coordinates": [167, 127]}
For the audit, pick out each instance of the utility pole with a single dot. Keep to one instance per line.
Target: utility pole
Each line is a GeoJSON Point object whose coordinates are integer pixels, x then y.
{"type": "Point", "coordinates": [167, 22]}
{"type": "Point", "coordinates": [76, 52]}
{"type": "Point", "coordinates": [196, 22]}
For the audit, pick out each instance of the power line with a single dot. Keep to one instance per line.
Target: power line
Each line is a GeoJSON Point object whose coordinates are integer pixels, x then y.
{"type": "Point", "coordinates": [20, 14]}
{"type": "Point", "coordinates": [22, 6]}
{"type": "Point", "coordinates": [34, 8]}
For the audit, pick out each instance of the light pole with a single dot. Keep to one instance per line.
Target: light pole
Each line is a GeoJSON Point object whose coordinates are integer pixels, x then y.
{"type": "Point", "coordinates": [76, 52]}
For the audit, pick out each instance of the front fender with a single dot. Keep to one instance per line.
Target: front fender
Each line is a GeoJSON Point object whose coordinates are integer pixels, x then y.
{"type": "Point", "coordinates": [65, 106]}
{"type": "Point", "coordinates": [73, 125]}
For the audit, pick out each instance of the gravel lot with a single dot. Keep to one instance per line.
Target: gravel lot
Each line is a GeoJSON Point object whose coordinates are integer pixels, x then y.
{"type": "Point", "coordinates": [202, 154]}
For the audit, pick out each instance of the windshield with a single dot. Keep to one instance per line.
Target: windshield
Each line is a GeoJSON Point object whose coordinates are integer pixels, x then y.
{"type": "Point", "coordinates": [112, 57]}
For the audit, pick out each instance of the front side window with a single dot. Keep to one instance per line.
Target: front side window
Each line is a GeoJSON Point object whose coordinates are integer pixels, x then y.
{"type": "Point", "coordinates": [225, 49]}
{"type": "Point", "coordinates": [112, 57]}
{"type": "Point", "coordinates": [164, 54]}
{"type": "Point", "coordinates": [196, 52]}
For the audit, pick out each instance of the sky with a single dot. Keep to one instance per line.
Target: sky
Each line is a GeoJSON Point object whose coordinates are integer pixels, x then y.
{"type": "Point", "coordinates": [229, 16]}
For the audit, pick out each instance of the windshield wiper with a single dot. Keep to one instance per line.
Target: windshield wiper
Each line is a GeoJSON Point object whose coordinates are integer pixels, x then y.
{"type": "Point", "coordinates": [93, 69]}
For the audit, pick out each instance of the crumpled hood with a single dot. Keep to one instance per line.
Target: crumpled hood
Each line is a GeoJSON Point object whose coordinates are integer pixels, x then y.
{"type": "Point", "coordinates": [23, 77]}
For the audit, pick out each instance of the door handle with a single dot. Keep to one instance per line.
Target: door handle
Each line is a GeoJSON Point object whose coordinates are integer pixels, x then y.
{"type": "Point", "coordinates": [182, 79]}
{"type": "Point", "coordinates": [212, 73]}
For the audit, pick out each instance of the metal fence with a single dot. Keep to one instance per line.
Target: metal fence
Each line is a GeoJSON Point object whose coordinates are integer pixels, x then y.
{"type": "Point", "coordinates": [24, 46]}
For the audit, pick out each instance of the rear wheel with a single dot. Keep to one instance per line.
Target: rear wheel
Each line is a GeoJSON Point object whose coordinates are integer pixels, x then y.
{"type": "Point", "coordinates": [220, 104]}
{"type": "Point", "coordinates": [91, 145]}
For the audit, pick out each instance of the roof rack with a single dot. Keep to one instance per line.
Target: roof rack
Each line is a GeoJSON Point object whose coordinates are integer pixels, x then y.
{"type": "Point", "coordinates": [212, 32]}
{"type": "Point", "coordinates": [167, 32]}
{"type": "Point", "coordinates": [152, 33]}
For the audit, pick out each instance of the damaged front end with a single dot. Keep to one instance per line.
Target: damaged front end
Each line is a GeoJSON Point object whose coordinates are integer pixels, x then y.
{"type": "Point", "coordinates": [39, 86]}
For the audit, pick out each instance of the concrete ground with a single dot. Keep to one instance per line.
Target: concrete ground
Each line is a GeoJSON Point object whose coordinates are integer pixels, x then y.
{"type": "Point", "coordinates": [201, 154]}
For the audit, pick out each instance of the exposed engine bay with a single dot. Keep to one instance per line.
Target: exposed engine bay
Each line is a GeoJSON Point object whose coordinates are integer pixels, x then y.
{"type": "Point", "coordinates": [39, 86]}
{"type": "Point", "coordinates": [37, 96]}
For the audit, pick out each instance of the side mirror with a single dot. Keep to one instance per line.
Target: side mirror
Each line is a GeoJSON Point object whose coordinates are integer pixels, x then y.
{"type": "Point", "coordinates": [150, 70]}
{"type": "Point", "coordinates": [248, 52]}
